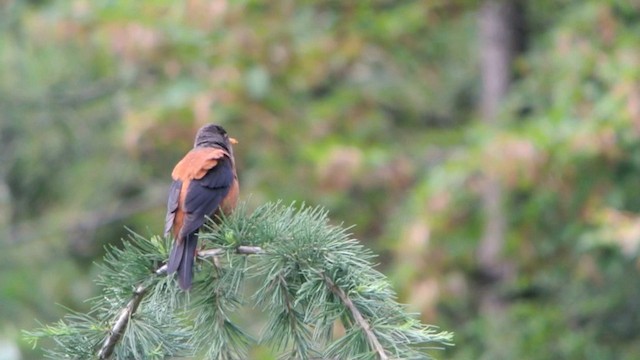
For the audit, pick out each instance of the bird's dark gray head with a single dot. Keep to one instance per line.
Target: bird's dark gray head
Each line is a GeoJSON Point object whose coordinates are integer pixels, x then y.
{"type": "Point", "coordinates": [214, 136]}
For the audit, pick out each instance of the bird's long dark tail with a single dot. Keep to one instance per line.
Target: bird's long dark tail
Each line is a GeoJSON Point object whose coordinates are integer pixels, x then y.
{"type": "Point", "coordinates": [181, 260]}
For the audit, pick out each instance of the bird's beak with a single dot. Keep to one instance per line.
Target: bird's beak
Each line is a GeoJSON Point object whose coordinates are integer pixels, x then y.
{"type": "Point", "coordinates": [233, 141]}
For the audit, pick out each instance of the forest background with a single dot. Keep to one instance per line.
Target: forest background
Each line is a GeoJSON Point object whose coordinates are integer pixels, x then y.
{"type": "Point", "coordinates": [488, 151]}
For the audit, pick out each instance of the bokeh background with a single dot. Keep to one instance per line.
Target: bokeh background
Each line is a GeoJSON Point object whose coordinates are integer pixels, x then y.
{"type": "Point", "coordinates": [488, 151]}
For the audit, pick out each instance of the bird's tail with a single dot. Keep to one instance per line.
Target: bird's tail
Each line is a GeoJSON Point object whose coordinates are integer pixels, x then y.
{"type": "Point", "coordinates": [181, 260]}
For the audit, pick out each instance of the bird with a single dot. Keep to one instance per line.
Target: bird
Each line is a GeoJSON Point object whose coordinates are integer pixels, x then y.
{"type": "Point", "coordinates": [205, 183]}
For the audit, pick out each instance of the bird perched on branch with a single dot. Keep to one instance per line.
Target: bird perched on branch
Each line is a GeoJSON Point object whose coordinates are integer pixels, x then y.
{"type": "Point", "coordinates": [205, 183]}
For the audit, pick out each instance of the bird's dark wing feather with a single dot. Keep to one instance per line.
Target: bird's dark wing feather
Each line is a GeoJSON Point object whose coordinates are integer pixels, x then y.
{"type": "Point", "coordinates": [195, 165]}
{"type": "Point", "coordinates": [204, 195]}
{"type": "Point", "coordinates": [172, 205]}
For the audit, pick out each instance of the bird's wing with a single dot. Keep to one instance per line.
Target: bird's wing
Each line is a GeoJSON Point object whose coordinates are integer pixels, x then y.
{"type": "Point", "coordinates": [196, 163]}
{"type": "Point", "coordinates": [205, 176]}
{"type": "Point", "coordinates": [172, 205]}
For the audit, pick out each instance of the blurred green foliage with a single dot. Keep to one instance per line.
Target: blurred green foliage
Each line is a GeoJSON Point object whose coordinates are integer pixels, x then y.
{"type": "Point", "coordinates": [367, 108]}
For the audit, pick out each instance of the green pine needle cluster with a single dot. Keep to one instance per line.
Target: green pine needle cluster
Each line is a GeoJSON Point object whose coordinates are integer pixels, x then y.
{"type": "Point", "coordinates": [308, 276]}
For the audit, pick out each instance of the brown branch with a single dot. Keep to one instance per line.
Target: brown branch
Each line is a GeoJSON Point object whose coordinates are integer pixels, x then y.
{"type": "Point", "coordinates": [121, 324]}
{"type": "Point", "coordinates": [372, 339]}
{"type": "Point", "coordinates": [116, 332]}
{"type": "Point", "coordinates": [207, 253]}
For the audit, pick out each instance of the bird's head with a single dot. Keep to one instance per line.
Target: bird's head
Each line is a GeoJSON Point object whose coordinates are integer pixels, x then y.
{"type": "Point", "coordinates": [212, 135]}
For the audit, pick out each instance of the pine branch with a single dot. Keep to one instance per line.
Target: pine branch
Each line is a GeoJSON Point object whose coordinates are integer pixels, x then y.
{"type": "Point", "coordinates": [123, 319]}
{"type": "Point", "coordinates": [121, 323]}
{"type": "Point", "coordinates": [207, 253]}
{"type": "Point", "coordinates": [357, 316]}
{"type": "Point", "coordinates": [309, 276]}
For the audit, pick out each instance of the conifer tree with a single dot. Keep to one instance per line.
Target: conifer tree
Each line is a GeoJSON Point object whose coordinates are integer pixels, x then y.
{"type": "Point", "coordinates": [288, 261]}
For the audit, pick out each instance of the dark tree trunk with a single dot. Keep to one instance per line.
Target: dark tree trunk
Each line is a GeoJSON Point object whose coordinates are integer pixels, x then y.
{"type": "Point", "coordinates": [500, 38]}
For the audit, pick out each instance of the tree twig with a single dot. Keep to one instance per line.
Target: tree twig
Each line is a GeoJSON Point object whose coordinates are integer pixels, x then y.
{"type": "Point", "coordinates": [121, 324]}
{"type": "Point", "coordinates": [127, 312]}
{"type": "Point", "coordinates": [372, 339]}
